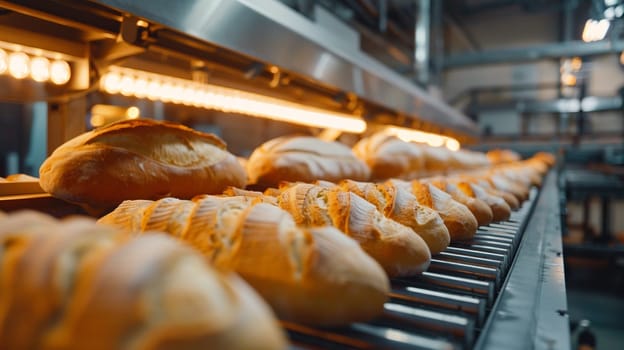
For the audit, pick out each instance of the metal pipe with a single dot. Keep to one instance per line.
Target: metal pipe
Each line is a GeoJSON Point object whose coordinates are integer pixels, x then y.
{"type": "Point", "coordinates": [437, 47]}
{"type": "Point", "coordinates": [383, 15]}
{"type": "Point", "coordinates": [422, 33]}
{"type": "Point", "coordinates": [571, 48]}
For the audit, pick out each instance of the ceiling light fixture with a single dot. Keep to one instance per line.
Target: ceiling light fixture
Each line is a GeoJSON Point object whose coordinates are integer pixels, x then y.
{"type": "Point", "coordinates": [131, 82]}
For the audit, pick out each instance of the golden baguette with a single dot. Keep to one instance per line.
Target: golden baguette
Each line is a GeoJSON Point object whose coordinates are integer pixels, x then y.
{"type": "Point", "coordinates": [402, 207]}
{"type": "Point", "coordinates": [73, 284]}
{"type": "Point", "coordinates": [478, 208]}
{"type": "Point", "coordinates": [316, 276]}
{"type": "Point", "coordinates": [397, 248]}
{"type": "Point", "coordinates": [459, 221]}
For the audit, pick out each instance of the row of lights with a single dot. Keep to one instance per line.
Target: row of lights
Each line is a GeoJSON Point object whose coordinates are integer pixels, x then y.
{"type": "Point", "coordinates": [140, 84]}
{"type": "Point", "coordinates": [19, 65]}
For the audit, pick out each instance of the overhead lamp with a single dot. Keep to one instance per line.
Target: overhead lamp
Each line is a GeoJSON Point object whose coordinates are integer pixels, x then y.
{"type": "Point", "coordinates": [595, 30]}
{"type": "Point", "coordinates": [60, 72]}
{"type": "Point", "coordinates": [434, 140]}
{"type": "Point", "coordinates": [131, 82]}
{"type": "Point", "coordinates": [105, 114]}
{"type": "Point", "coordinates": [4, 61]}
{"type": "Point", "coordinates": [19, 65]}
{"type": "Point", "coordinates": [37, 67]}
{"type": "Point", "coordinates": [40, 69]}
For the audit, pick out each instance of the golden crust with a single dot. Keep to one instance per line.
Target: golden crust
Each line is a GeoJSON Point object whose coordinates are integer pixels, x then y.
{"type": "Point", "coordinates": [139, 159]}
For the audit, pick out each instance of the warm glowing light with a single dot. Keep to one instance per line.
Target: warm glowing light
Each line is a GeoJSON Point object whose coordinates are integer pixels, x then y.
{"type": "Point", "coordinates": [576, 63]}
{"type": "Point", "coordinates": [452, 144]}
{"type": "Point", "coordinates": [167, 89]}
{"type": "Point", "coordinates": [434, 140]}
{"type": "Point", "coordinates": [622, 58]}
{"type": "Point", "coordinates": [19, 65]}
{"type": "Point", "coordinates": [4, 61]}
{"type": "Point", "coordinates": [60, 72]}
{"type": "Point", "coordinates": [111, 83]}
{"type": "Point", "coordinates": [126, 87]}
{"type": "Point", "coordinates": [40, 69]}
{"type": "Point", "coordinates": [568, 79]}
{"type": "Point", "coordinates": [595, 30]}
{"type": "Point", "coordinates": [133, 112]}
{"type": "Point", "coordinates": [140, 87]}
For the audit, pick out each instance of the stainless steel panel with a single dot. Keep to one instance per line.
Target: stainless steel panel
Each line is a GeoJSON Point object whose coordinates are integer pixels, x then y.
{"type": "Point", "coordinates": [271, 32]}
{"type": "Point", "coordinates": [449, 301]}
{"type": "Point", "coordinates": [531, 310]}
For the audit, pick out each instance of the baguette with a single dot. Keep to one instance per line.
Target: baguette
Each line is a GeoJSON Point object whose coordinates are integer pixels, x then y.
{"type": "Point", "coordinates": [316, 276]}
{"type": "Point", "coordinates": [76, 285]}
{"type": "Point", "coordinates": [501, 211]}
{"type": "Point", "coordinates": [511, 200]}
{"type": "Point", "coordinates": [139, 159]}
{"type": "Point", "coordinates": [481, 211]}
{"type": "Point", "coordinates": [303, 158]}
{"type": "Point", "coordinates": [397, 248]}
{"type": "Point", "coordinates": [458, 219]}
{"type": "Point", "coordinates": [402, 207]}
{"type": "Point", "coordinates": [390, 157]}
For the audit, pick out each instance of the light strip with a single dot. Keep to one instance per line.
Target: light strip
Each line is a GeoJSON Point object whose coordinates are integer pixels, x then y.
{"type": "Point", "coordinates": [435, 140]}
{"type": "Point", "coordinates": [38, 68]}
{"type": "Point", "coordinates": [131, 82]}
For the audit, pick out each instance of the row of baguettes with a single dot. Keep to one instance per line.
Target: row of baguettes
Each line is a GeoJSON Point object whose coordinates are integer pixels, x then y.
{"type": "Point", "coordinates": [282, 241]}
{"type": "Point", "coordinates": [305, 247]}
{"type": "Point", "coordinates": [145, 159]}
{"type": "Point", "coordinates": [74, 284]}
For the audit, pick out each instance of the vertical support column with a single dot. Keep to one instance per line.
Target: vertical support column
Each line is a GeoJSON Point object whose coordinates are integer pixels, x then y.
{"type": "Point", "coordinates": [437, 46]}
{"type": "Point", "coordinates": [65, 120]}
{"type": "Point", "coordinates": [566, 33]}
{"type": "Point", "coordinates": [605, 225]}
{"type": "Point", "coordinates": [383, 15]}
{"type": "Point", "coordinates": [422, 33]}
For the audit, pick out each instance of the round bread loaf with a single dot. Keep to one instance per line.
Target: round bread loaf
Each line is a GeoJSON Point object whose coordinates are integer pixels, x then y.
{"type": "Point", "coordinates": [139, 159]}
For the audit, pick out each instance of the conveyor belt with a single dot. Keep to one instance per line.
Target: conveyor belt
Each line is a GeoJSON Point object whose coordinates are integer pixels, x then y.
{"type": "Point", "coordinates": [445, 307]}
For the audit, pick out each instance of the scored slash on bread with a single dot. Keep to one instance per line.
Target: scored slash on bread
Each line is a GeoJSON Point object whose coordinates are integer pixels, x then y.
{"type": "Point", "coordinates": [397, 248]}
{"type": "Point", "coordinates": [139, 159]}
{"type": "Point", "coordinates": [73, 284]}
{"type": "Point", "coordinates": [402, 207]}
{"type": "Point", "coordinates": [478, 208]}
{"type": "Point", "coordinates": [310, 275]}
{"type": "Point", "coordinates": [459, 221]}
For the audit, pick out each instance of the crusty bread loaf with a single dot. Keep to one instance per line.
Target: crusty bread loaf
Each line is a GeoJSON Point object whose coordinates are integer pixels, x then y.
{"type": "Point", "coordinates": [511, 200]}
{"type": "Point", "coordinates": [437, 160]}
{"type": "Point", "coordinates": [21, 178]}
{"type": "Point", "coordinates": [478, 208]}
{"type": "Point", "coordinates": [397, 248]}
{"type": "Point", "coordinates": [459, 221]}
{"type": "Point", "coordinates": [498, 156]}
{"type": "Point", "coordinates": [500, 209]}
{"type": "Point", "coordinates": [390, 157]}
{"type": "Point", "coordinates": [77, 285]}
{"type": "Point", "coordinates": [303, 158]}
{"type": "Point", "coordinates": [316, 276]}
{"type": "Point", "coordinates": [139, 159]}
{"type": "Point", "coordinates": [402, 207]}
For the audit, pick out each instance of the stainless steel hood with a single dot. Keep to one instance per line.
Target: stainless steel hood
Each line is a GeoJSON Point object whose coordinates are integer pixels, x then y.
{"type": "Point", "coordinates": [271, 32]}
